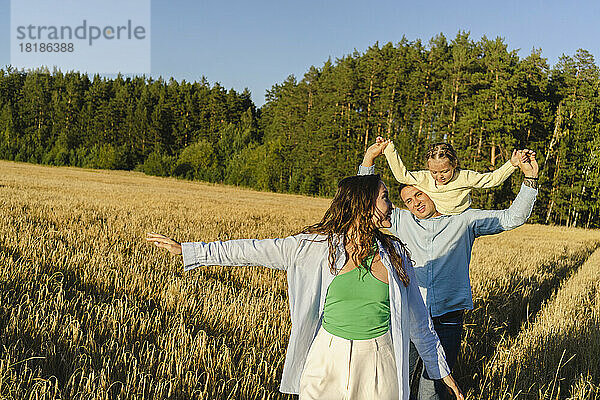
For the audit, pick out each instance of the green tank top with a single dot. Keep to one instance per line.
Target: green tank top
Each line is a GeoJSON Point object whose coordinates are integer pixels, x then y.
{"type": "Point", "coordinates": [357, 305]}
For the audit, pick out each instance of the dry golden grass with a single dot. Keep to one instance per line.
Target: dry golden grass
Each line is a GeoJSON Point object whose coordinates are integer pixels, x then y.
{"type": "Point", "coordinates": [513, 275]}
{"type": "Point", "coordinates": [89, 310]}
{"type": "Point", "coordinates": [563, 343]}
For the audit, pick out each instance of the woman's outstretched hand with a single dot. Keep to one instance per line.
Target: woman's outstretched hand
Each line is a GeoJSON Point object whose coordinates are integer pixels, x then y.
{"type": "Point", "coordinates": [164, 242]}
{"type": "Point", "coordinates": [374, 151]}
{"type": "Point", "coordinates": [451, 383]}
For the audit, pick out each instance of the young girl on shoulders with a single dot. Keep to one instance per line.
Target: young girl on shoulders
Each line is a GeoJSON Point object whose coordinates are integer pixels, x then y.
{"type": "Point", "coordinates": [448, 185]}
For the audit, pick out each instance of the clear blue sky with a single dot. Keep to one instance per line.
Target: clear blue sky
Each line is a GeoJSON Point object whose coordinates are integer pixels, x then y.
{"type": "Point", "coordinates": [258, 43]}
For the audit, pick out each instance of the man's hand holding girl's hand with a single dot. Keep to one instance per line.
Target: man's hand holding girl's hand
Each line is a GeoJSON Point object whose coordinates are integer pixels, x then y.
{"type": "Point", "coordinates": [528, 164]}
{"type": "Point", "coordinates": [374, 151]}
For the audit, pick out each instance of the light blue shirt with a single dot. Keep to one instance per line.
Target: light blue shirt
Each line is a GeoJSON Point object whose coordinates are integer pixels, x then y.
{"type": "Point", "coordinates": [305, 258]}
{"type": "Point", "coordinates": [441, 246]}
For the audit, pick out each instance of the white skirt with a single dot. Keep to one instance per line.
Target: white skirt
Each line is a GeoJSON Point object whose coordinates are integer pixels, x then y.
{"type": "Point", "coordinates": [338, 368]}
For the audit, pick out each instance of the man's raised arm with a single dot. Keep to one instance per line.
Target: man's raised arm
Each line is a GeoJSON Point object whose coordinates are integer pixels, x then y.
{"type": "Point", "coordinates": [375, 150]}
{"type": "Point", "coordinates": [486, 222]}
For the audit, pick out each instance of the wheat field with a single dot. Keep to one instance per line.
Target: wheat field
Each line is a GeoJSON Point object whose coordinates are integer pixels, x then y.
{"type": "Point", "coordinates": [90, 310]}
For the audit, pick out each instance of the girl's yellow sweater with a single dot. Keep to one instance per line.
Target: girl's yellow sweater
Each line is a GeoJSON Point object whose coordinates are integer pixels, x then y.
{"type": "Point", "coordinates": [455, 196]}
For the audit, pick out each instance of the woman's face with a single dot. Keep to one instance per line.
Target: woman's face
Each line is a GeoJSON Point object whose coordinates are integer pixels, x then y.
{"type": "Point", "coordinates": [383, 208]}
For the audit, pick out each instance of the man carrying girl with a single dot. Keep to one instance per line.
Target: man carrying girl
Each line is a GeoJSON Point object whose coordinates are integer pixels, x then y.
{"type": "Point", "coordinates": [440, 244]}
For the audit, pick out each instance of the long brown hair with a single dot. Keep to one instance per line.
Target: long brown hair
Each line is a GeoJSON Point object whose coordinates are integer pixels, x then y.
{"type": "Point", "coordinates": [353, 206]}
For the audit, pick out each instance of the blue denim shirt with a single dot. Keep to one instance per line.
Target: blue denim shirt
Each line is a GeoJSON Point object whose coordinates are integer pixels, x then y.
{"type": "Point", "coordinates": [305, 258]}
{"type": "Point", "coordinates": [441, 246]}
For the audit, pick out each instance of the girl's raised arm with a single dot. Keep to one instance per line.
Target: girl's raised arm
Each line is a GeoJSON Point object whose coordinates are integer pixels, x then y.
{"type": "Point", "coordinates": [399, 170]}
{"type": "Point", "coordinates": [492, 179]}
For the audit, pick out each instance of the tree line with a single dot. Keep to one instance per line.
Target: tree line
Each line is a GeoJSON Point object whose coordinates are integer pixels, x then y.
{"type": "Point", "coordinates": [477, 95]}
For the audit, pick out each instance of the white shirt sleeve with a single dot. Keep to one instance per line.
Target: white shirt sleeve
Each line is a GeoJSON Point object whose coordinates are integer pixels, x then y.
{"type": "Point", "coordinates": [422, 333]}
{"type": "Point", "coordinates": [272, 253]}
{"type": "Point", "coordinates": [366, 170]}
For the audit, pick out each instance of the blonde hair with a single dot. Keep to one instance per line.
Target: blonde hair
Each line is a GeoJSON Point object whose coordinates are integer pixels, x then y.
{"type": "Point", "coordinates": [442, 150]}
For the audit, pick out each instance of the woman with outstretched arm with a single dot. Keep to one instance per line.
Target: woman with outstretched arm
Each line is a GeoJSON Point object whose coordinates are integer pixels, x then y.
{"type": "Point", "coordinates": [354, 300]}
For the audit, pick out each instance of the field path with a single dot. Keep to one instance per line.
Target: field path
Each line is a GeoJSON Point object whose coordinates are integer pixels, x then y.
{"type": "Point", "coordinates": [556, 354]}
{"type": "Point", "coordinates": [508, 297]}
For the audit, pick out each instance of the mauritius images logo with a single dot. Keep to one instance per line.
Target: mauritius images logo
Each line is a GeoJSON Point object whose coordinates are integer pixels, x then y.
{"type": "Point", "coordinates": [86, 36]}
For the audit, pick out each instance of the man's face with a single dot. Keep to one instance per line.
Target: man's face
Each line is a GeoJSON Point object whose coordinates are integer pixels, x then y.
{"type": "Point", "coordinates": [418, 202]}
